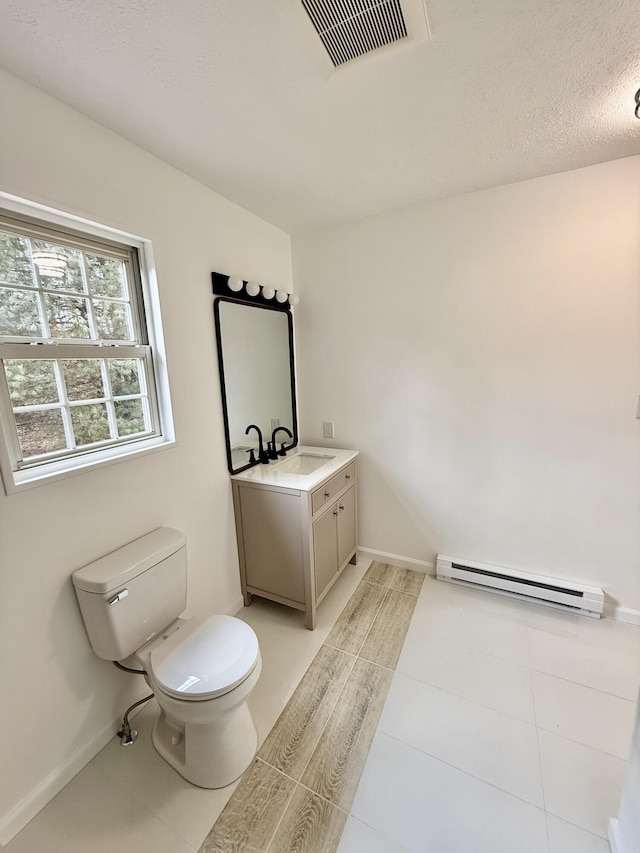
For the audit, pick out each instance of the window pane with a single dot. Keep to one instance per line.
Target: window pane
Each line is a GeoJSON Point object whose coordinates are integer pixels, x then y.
{"type": "Point", "coordinates": [129, 417]}
{"type": "Point", "coordinates": [40, 432]}
{"type": "Point", "coordinates": [125, 376]}
{"type": "Point", "coordinates": [113, 321]}
{"type": "Point", "coordinates": [32, 382]}
{"type": "Point", "coordinates": [15, 263]}
{"type": "Point", "coordinates": [83, 378]}
{"type": "Point", "coordinates": [67, 316]}
{"type": "Point", "coordinates": [60, 268]}
{"type": "Point", "coordinates": [106, 276]}
{"type": "Point", "coordinates": [90, 423]}
{"type": "Point", "coordinates": [19, 313]}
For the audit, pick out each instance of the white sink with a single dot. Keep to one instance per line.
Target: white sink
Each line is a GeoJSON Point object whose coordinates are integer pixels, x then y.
{"type": "Point", "coordinates": [303, 463]}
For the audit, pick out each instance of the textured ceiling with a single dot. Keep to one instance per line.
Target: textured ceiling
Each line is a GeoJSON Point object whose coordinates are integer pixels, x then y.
{"type": "Point", "coordinates": [229, 92]}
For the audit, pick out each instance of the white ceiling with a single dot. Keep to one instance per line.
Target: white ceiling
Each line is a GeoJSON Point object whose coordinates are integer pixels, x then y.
{"type": "Point", "coordinates": [229, 92]}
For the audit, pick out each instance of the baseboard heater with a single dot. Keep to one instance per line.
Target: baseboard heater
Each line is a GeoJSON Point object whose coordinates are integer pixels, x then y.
{"type": "Point", "coordinates": [565, 595]}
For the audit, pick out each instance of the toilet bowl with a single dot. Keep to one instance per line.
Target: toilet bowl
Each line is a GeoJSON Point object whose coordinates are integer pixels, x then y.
{"type": "Point", "coordinates": [200, 670]}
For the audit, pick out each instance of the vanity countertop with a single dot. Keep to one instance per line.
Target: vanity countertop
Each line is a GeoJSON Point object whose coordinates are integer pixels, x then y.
{"type": "Point", "coordinates": [282, 472]}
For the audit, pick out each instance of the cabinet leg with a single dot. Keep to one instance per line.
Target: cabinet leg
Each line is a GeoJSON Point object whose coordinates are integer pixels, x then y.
{"type": "Point", "coordinates": [310, 618]}
{"type": "Point", "coordinates": [248, 598]}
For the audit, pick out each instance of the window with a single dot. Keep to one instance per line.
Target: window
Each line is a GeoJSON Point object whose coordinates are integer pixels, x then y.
{"type": "Point", "coordinates": [77, 378]}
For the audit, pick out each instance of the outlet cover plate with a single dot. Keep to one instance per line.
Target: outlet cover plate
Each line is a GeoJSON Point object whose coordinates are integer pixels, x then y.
{"type": "Point", "coordinates": [328, 429]}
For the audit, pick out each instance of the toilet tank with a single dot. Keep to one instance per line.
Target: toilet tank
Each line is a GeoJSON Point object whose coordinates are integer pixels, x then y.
{"type": "Point", "coordinates": [132, 594]}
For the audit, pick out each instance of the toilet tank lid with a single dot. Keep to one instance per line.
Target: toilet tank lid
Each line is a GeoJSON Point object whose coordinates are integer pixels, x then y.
{"type": "Point", "coordinates": [121, 566]}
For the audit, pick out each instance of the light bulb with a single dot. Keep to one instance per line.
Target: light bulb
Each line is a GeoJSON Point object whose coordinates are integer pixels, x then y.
{"type": "Point", "coordinates": [235, 283]}
{"type": "Point", "coordinates": [282, 295]}
{"type": "Point", "coordinates": [293, 299]}
{"type": "Point", "coordinates": [253, 288]}
{"type": "Point", "coordinates": [268, 292]}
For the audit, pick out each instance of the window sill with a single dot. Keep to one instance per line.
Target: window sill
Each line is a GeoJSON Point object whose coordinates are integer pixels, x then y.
{"type": "Point", "coordinates": [61, 469]}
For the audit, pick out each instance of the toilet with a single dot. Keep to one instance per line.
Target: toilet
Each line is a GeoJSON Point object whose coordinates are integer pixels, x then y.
{"type": "Point", "coordinates": [201, 671]}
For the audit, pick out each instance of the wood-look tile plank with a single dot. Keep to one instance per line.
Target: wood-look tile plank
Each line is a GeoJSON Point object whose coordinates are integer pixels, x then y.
{"type": "Point", "coordinates": [310, 825]}
{"type": "Point", "coordinates": [251, 816]}
{"type": "Point", "coordinates": [379, 573]}
{"type": "Point", "coordinates": [352, 626]}
{"type": "Point", "coordinates": [386, 637]}
{"type": "Point", "coordinates": [407, 580]}
{"type": "Point", "coordinates": [336, 764]}
{"type": "Point", "coordinates": [292, 740]}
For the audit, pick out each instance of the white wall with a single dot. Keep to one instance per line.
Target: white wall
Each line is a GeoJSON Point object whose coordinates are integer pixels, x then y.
{"type": "Point", "coordinates": [55, 694]}
{"type": "Point", "coordinates": [483, 354]}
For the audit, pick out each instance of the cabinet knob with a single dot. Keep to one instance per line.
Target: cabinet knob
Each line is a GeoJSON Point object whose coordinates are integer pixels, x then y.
{"type": "Point", "coordinates": [335, 512]}
{"type": "Point", "coordinates": [348, 476]}
{"type": "Point", "coordinates": [327, 494]}
{"type": "Point", "coordinates": [341, 506]}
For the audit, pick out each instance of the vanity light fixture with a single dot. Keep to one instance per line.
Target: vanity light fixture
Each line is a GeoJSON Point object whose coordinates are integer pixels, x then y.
{"type": "Point", "coordinates": [638, 104]}
{"type": "Point", "coordinates": [226, 285]}
{"type": "Point", "coordinates": [235, 283]}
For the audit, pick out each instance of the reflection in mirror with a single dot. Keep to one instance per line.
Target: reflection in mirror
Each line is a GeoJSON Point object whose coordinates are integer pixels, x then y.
{"type": "Point", "coordinates": [255, 354]}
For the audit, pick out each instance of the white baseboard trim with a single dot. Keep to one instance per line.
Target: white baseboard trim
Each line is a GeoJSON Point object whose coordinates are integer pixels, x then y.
{"type": "Point", "coordinates": [397, 560]}
{"type": "Point", "coordinates": [20, 815]}
{"type": "Point", "coordinates": [622, 614]}
{"type": "Point", "coordinates": [614, 837]}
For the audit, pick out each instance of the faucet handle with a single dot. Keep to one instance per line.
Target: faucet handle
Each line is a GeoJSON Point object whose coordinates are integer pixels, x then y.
{"type": "Point", "coordinates": [271, 449]}
{"type": "Point", "coordinates": [282, 451]}
{"type": "Point", "coordinates": [252, 456]}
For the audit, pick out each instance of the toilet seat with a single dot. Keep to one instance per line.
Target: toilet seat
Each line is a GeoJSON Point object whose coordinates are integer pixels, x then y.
{"type": "Point", "coordinates": [205, 658]}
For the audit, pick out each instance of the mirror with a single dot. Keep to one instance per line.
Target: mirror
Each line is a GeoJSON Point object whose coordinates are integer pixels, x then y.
{"type": "Point", "coordinates": [255, 356]}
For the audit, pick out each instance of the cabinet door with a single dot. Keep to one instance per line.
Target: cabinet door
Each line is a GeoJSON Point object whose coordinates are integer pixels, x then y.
{"type": "Point", "coordinates": [325, 549]}
{"type": "Point", "coordinates": [272, 542]}
{"type": "Point", "coordinates": [346, 526]}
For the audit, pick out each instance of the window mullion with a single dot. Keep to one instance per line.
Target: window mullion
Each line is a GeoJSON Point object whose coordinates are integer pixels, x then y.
{"type": "Point", "coordinates": [108, 392]}
{"type": "Point", "coordinates": [66, 409]}
{"type": "Point", "coordinates": [42, 305]}
{"type": "Point", "coordinates": [93, 329]}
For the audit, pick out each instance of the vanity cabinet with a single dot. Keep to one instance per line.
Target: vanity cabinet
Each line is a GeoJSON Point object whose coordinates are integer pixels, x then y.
{"type": "Point", "coordinates": [294, 543]}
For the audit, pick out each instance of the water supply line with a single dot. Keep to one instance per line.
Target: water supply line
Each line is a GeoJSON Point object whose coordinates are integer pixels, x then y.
{"type": "Point", "coordinates": [127, 735]}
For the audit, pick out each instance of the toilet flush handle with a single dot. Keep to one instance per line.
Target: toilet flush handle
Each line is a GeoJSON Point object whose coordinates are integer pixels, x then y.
{"type": "Point", "coordinates": [118, 596]}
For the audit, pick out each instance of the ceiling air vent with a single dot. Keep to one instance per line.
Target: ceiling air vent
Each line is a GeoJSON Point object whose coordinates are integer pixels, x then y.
{"type": "Point", "coordinates": [351, 28]}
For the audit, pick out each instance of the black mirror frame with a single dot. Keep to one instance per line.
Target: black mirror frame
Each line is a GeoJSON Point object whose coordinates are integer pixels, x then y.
{"type": "Point", "coordinates": [223, 388]}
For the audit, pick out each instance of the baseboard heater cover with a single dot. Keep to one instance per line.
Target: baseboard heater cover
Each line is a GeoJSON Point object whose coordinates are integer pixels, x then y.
{"type": "Point", "coordinates": [567, 595]}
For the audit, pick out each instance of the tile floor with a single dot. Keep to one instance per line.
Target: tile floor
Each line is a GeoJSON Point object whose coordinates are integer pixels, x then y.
{"type": "Point", "coordinates": [298, 792]}
{"type": "Point", "coordinates": [506, 728]}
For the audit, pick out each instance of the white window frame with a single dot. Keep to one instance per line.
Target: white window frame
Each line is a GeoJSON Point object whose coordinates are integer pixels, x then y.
{"type": "Point", "coordinates": [149, 347]}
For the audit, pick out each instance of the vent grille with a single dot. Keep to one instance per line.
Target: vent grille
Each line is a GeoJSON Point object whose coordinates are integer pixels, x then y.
{"type": "Point", "coordinates": [351, 28]}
